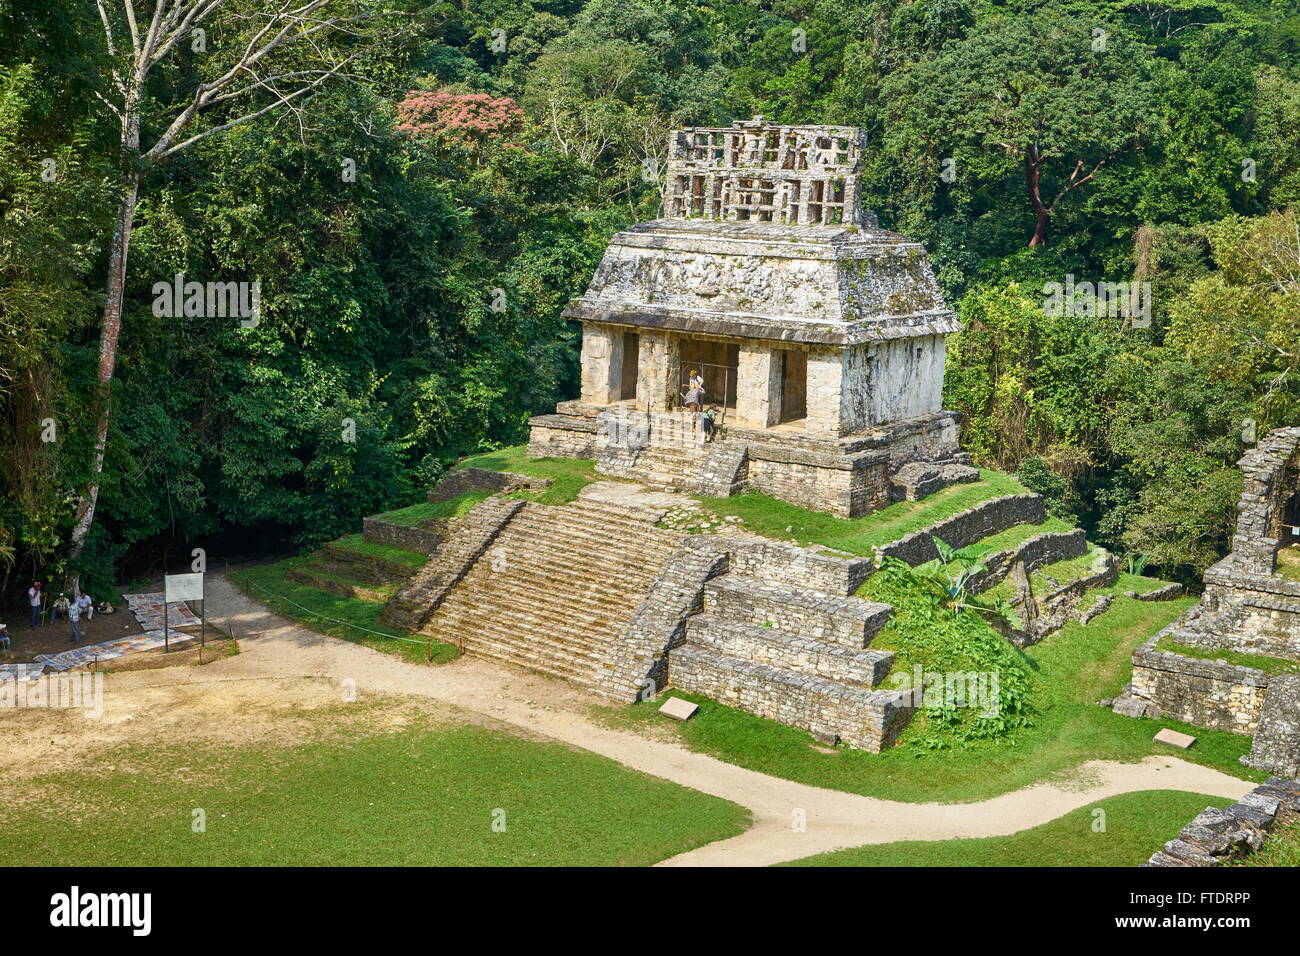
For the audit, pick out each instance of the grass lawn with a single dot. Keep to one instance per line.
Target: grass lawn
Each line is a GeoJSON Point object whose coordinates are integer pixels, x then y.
{"type": "Point", "coordinates": [336, 616]}
{"type": "Point", "coordinates": [568, 475]}
{"type": "Point", "coordinates": [1136, 825]}
{"type": "Point", "coordinates": [1269, 665]}
{"type": "Point", "coordinates": [426, 795]}
{"type": "Point", "coordinates": [771, 516]}
{"type": "Point", "coordinates": [456, 507]}
{"type": "Point", "coordinates": [1073, 670]}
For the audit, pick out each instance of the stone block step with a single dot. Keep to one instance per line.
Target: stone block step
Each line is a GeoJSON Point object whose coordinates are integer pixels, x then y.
{"type": "Point", "coordinates": [847, 621]}
{"type": "Point", "coordinates": [790, 651]}
{"type": "Point", "coordinates": [867, 719]}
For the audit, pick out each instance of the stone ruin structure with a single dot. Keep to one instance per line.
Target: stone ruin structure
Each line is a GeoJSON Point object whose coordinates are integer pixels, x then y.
{"type": "Point", "coordinates": [1249, 607]}
{"type": "Point", "coordinates": [818, 336]}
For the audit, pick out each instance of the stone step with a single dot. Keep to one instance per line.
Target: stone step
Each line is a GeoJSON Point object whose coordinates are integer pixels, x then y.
{"type": "Point", "coordinates": [613, 541]}
{"type": "Point", "coordinates": [789, 651]}
{"type": "Point", "coordinates": [577, 561]}
{"type": "Point", "coordinates": [846, 621]}
{"type": "Point", "coordinates": [863, 718]}
{"type": "Point", "coordinates": [529, 604]}
{"type": "Point", "coordinates": [598, 526]}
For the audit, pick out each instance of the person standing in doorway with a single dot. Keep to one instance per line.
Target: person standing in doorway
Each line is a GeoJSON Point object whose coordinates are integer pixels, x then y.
{"type": "Point", "coordinates": [34, 598]}
{"type": "Point", "coordinates": [74, 618]}
{"type": "Point", "coordinates": [695, 393]}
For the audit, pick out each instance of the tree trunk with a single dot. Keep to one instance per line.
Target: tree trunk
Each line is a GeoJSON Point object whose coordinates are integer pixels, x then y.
{"type": "Point", "coordinates": [1033, 168]}
{"type": "Point", "coordinates": [108, 335]}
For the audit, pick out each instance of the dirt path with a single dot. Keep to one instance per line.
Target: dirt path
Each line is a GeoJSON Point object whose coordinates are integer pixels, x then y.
{"type": "Point", "coordinates": [273, 649]}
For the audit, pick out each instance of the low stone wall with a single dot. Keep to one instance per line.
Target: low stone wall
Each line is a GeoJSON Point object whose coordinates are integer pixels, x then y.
{"type": "Point", "coordinates": [369, 568]}
{"type": "Point", "coordinates": [1252, 614]}
{"type": "Point", "coordinates": [1276, 746]}
{"type": "Point", "coordinates": [867, 719]}
{"type": "Point", "coordinates": [421, 540]}
{"type": "Point", "coordinates": [967, 527]}
{"type": "Point", "coordinates": [1167, 593]}
{"type": "Point", "coordinates": [795, 566]}
{"type": "Point", "coordinates": [865, 668]}
{"type": "Point", "coordinates": [1217, 835]}
{"type": "Point", "coordinates": [846, 621]}
{"type": "Point", "coordinates": [412, 606]}
{"type": "Point", "coordinates": [847, 487]}
{"type": "Point", "coordinates": [1213, 694]}
{"type": "Point", "coordinates": [562, 436]}
{"type": "Point", "coordinates": [331, 586]}
{"type": "Point", "coordinates": [460, 481]}
{"type": "Point", "coordinates": [638, 662]}
{"type": "Point", "coordinates": [1036, 552]}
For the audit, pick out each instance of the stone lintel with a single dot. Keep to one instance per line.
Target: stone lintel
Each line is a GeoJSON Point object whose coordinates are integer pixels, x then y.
{"type": "Point", "coordinates": [766, 328]}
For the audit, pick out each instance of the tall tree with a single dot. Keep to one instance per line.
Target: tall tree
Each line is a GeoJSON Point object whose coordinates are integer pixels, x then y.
{"type": "Point", "coordinates": [1054, 98]}
{"type": "Point", "coordinates": [273, 54]}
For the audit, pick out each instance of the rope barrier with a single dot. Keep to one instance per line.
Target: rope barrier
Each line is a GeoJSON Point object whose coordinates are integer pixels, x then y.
{"type": "Point", "coordinates": [326, 617]}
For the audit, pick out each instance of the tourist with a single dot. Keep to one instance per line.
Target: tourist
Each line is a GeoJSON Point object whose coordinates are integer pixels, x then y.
{"type": "Point", "coordinates": [4, 637]}
{"type": "Point", "coordinates": [34, 597]}
{"type": "Point", "coordinates": [87, 605]}
{"type": "Point", "coordinates": [60, 607]}
{"type": "Point", "coordinates": [695, 394]}
{"type": "Point", "coordinates": [708, 423]}
{"type": "Point", "coordinates": [74, 618]}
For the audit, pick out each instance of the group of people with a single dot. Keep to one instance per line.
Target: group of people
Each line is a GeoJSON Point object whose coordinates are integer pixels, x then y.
{"type": "Point", "coordinates": [73, 608]}
{"type": "Point", "coordinates": [694, 400]}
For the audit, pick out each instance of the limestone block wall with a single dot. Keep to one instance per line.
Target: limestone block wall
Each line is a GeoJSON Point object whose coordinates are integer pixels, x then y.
{"type": "Point", "coordinates": [1036, 552]}
{"type": "Point", "coordinates": [794, 566]}
{"type": "Point", "coordinates": [660, 371]}
{"type": "Point", "coordinates": [638, 661]}
{"type": "Point", "coordinates": [969, 526]}
{"type": "Point", "coordinates": [899, 379]}
{"type": "Point", "coordinates": [419, 539]}
{"type": "Point", "coordinates": [758, 386]}
{"type": "Point", "coordinates": [602, 364]}
{"type": "Point", "coordinates": [562, 436]}
{"type": "Point", "coordinates": [847, 487]}
{"type": "Point", "coordinates": [867, 719]}
{"type": "Point", "coordinates": [1211, 694]}
{"type": "Point", "coordinates": [849, 622]}
{"type": "Point", "coordinates": [791, 652]}
{"type": "Point", "coordinates": [1249, 613]}
{"type": "Point", "coordinates": [1276, 746]}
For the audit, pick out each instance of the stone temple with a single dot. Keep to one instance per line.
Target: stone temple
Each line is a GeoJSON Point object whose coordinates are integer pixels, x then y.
{"type": "Point", "coordinates": [818, 337]}
{"type": "Point", "coordinates": [1234, 663]}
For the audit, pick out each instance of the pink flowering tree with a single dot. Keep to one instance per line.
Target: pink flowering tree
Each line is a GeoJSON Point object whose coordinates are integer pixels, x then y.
{"type": "Point", "coordinates": [472, 120]}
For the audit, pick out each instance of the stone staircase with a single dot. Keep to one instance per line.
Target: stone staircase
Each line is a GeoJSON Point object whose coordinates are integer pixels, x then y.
{"type": "Point", "coordinates": [795, 655]}
{"type": "Point", "coordinates": [556, 589]}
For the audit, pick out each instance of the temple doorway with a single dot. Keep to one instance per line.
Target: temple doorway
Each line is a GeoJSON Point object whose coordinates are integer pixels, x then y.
{"type": "Point", "coordinates": [631, 362]}
{"type": "Point", "coordinates": [716, 363]}
{"type": "Point", "coordinates": [794, 385]}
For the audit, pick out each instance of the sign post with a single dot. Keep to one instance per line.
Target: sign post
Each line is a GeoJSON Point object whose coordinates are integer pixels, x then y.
{"type": "Point", "coordinates": [182, 587]}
